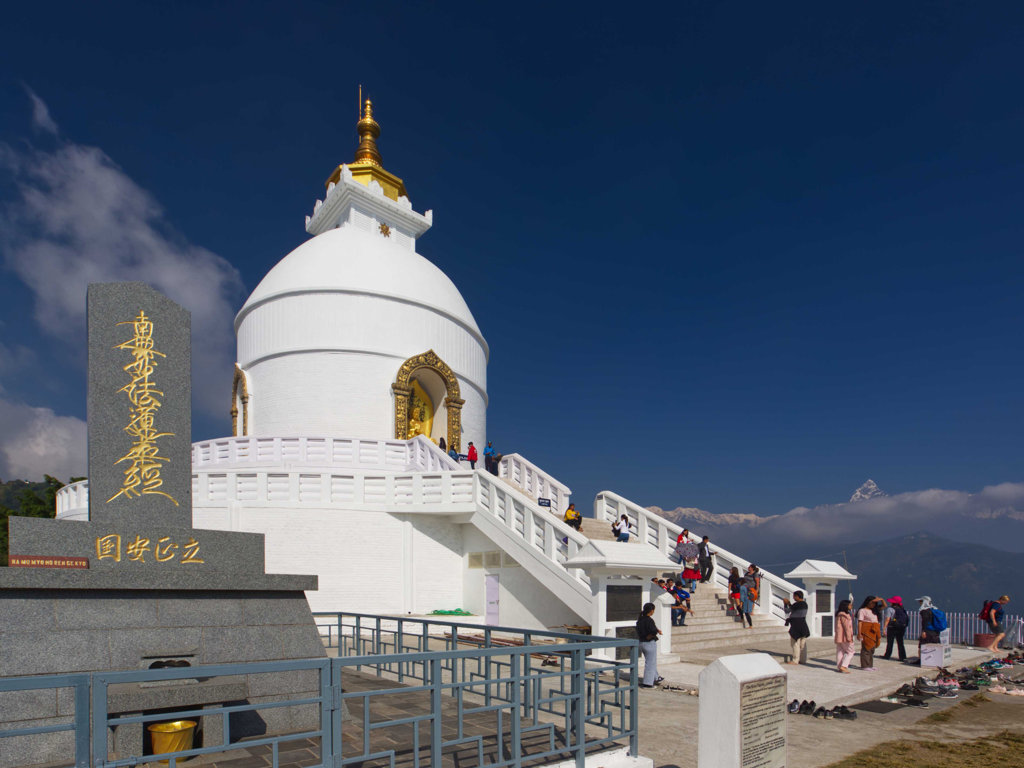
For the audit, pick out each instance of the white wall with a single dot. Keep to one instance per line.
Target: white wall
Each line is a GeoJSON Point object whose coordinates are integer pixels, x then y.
{"type": "Point", "coordinates": [522, 600]}
{"type": "Point", "coordinates": [368, 562]}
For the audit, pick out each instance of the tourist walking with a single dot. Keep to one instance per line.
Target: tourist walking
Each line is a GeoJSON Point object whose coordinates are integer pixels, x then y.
{"type": "Point", "coordinates": [896, 628]}
{"type": "Point", "coordinates": [735, 580]}
{"type": "Point", "coordinates": [843, 633]}
{"type": "Point", "coordinates": [704, 554]}
{"type": "Point", "coordinates": [621, 529]}
{"type": "Point", "coordinates": [796, 620]}
{"type": "Point", "coordinates": [471, 455]}
{"type": "Point", "coordinates": [690, 574]}
{"type": "Point", "coordinates": [995, 621]}
{"type": "Point", "coordinates": [869, 632]}
{"type": "Point", "coordinates": [647, 633]}
{"type": "Point", "coordinates": [750, 590]}
{"type": "Point", "coordinates": [489, 458]}
{"type": "Point", "coordinates": [573, 518]}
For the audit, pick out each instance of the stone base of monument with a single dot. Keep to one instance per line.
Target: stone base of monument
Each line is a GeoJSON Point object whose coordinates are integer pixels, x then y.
{"type": "Point", "coordinates": [58, 631]}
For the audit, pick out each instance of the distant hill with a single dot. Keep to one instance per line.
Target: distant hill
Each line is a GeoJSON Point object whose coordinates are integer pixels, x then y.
{"type": "Point", "coordinates": [957, 576]}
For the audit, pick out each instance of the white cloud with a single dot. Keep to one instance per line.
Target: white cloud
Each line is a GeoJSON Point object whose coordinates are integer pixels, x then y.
{"type": "Point", "coordinates": [993, 516]}
{"type": "Point", "coordinates": [41, 119]}
{"type": "Point", "coordinates": [78, 218]}
{"type": "Point", "coordinates": [36, 442]}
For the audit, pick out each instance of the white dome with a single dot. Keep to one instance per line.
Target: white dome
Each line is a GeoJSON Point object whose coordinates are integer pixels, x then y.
{"type": "Point", "coordinates": [350, 260]}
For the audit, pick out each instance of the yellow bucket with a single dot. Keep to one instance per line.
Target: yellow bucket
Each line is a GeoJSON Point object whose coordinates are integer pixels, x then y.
{"type": "Point", "coordinates": [172, 737]}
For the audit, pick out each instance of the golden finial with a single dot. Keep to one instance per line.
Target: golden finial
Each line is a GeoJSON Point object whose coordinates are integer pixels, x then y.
{"type": "Point", "coordinates": [368, 166]}
{"type": "Point", "coordinates": [369, 131]}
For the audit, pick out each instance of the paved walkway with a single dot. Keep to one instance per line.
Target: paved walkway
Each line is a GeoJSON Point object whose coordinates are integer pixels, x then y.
{"type": "Point", "coordinates": [818, 680]}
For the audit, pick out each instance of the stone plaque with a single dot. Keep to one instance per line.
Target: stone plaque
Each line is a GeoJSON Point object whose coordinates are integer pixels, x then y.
{"type": "Point", "coordinates": [139, 407]}
{"type": "Point", "coordinates": [742, 715]}
{"type": "Point", "coordinates": [623, 603]}
{"type": "Point", "coordinates": [763, 723]}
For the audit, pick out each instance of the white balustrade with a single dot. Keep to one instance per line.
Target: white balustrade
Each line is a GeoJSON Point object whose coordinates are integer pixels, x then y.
{"type": "Point", "coordinates": [418, 453]}
{"type": "Point", "coordinates": [534, 481]}
{"type": "Point", "coordinates": [662, 534]}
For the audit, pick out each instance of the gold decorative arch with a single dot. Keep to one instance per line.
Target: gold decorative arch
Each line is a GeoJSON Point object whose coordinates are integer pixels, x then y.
{"type": "Point", "coordinates": [239, 391]}
{"type": "Point", "coordinates": [403, 391]}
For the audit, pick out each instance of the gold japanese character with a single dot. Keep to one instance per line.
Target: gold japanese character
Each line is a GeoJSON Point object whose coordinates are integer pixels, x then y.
{"type": "Point", "coordinates": [109, 548]}
{"type": "Point", "coordinates": [164, 550]}
{"type": "Point", "coordinates": [191, 552]}
{"type": "Point", "coordinates": [137, 549]}
{"type": "Point", "coordinates": [142, 472]}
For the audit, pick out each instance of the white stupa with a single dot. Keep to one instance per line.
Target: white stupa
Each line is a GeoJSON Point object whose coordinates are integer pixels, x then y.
{"type": "Point", "coordinates": [354, 333]}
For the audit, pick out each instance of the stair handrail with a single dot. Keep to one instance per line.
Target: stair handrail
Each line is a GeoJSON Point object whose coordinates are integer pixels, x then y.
{"type": "Point", "coordinates": [558, 541]}
{"type": "Point", "coordinates": [424, 454]}
{"type": "Point", "coordinates": [535, 481]}
{"type": "Point", "coordinates": [662, 534]}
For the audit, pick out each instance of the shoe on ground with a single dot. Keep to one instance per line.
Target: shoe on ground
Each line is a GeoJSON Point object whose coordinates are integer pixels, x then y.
{"type": "Point", "coordinates": [645, 685]}
{"type": "Point", "coordinates": [917, 701]}
{"type": "Point", "coordinates": [794, 706]}
{"type": "Point", "coordinates": [819, 712]}
{"type": "Point", "coordinates": [948, 693]}
{"type": "Point", "coordinates": [658, 680]}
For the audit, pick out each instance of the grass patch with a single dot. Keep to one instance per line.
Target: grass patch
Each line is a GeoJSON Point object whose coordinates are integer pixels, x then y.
{"type": "Point", "coordinates": [1005, 749]}
{"type": "Point", "coordinates": [948, 714]}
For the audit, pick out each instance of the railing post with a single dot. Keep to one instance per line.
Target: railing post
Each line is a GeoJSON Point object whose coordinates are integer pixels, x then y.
{"type": "Point", "coordinates": [435, 712]}
{"type": "Point", "coordinates": [82, 722]}
{"type": "Point", "coordinates": [516, 715]}
{"type": "Point", "coordinates": [99, 723]}
{"type": "Point", "coordinates": [579, 706]}
{"type": "Point", "coordinates": [634, 702]}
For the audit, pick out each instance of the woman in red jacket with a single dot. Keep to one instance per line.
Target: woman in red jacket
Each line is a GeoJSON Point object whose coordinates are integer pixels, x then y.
{"type": "Point", "coordinates": [471, 455]}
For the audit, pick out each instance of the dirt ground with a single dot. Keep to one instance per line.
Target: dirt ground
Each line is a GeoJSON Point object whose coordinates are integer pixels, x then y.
{"type": "Point", "coordinates": [983, 731]}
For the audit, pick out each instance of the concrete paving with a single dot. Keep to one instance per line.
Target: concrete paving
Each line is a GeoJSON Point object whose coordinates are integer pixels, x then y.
{"type": "Point", "coordinates": [818, 680]}
{"type": "Point", "coordinates": [668, 718]}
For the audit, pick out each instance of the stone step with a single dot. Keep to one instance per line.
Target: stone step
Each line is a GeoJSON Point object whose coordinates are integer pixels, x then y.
{"type": "Point", "coordinates": [682, 639]}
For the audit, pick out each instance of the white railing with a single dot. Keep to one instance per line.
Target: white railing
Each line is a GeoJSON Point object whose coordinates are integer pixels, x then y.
{"type": "Point", "coordinates": [73, 501]}
{"type": "Point", "coordinates": [662, 534]}
{"type": "Point", "coordinates": [534, 481]}
{"type": "Point", "coordinates": [541, 531]}
{"type": "Point", "coordinates": [963, 626]}
{"type": "Point", "coordinates": [418, 453]}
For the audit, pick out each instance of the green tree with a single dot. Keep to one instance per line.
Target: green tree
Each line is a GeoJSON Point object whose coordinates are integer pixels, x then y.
{"type": "Point", "coordinates": [27, 500]}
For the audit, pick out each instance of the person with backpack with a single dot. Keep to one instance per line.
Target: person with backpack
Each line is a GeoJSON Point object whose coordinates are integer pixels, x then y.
{"type": "Point", "coordinates": [933, 622]}
{"type": "Point", "coordinates": [896, 628]}
{"type": "Point", "coordinates": [993, 614]}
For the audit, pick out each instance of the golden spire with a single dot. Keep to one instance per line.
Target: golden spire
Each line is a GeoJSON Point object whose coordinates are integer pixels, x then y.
{"type": "Point", "coordinates": [369, 132]}
{"type": "Point", "coordinates": [367, 164]}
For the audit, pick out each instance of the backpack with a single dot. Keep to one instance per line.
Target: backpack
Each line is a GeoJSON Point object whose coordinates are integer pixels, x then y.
{"type": "Point", "coordinates": [899, 616]}
{"type": "Point", "coordinates": [938, 622]}
{"type": "Point", "coordinates": [986, 613]}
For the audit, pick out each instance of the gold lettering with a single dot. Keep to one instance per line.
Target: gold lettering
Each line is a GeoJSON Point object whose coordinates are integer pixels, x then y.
{"type": "Point", "coordinates": [109, 547]}
{"type": "Point", "coordinates": [137, 549]}
{"type": "Point", "coordinates": [142, 474]}
{"type": "Point", "coordinates": [191, 552]}
{"type": "Point", "coordinates": [165, 550]}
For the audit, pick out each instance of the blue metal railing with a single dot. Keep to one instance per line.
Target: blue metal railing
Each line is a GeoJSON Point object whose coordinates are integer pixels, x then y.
{"type": "Point", "coordinates": [502, 702]}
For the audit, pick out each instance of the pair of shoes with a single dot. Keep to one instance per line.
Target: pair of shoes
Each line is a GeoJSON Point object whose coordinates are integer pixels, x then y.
{"type": "Point", "coordinates": [794, 706]}
{"type": "Point", "coordinates": [819, 712]}
{"type": "Point", "coordinates": [905, 690]}
{"type": "Point", "coordinates": [948, 693]}
{"type": "Point", "coordinates": [844, 713]}
{"type": "Point", "coordinates": [917, 701]}
{"type": "Point", "coordinates": [807, 707]}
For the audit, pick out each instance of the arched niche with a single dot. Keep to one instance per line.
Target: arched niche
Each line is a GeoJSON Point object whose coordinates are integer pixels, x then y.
{"type": "Point", "coordinates": [239, 397]}
{"type": "Point", "coordinates": [435, 378]}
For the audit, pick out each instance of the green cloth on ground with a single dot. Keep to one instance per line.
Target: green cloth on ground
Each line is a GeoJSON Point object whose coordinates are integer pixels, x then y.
{"type": "Point", "coordinates": [456, 612]}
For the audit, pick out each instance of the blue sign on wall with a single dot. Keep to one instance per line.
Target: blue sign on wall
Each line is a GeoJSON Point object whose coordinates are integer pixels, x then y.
{"type": "Point", "coordinates": [544, 502]}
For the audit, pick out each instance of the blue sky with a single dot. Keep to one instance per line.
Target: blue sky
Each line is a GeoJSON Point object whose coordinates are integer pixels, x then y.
{"type": "Point", "coordinates": [739, 256]}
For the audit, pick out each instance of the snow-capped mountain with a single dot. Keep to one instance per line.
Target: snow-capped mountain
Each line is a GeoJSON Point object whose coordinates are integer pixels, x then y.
{"type": "Point", "coordinates": [867, 491]}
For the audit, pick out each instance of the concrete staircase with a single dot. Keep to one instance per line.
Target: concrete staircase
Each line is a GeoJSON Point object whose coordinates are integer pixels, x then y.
{"type": "Point", "coordinates": [711, 626]}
